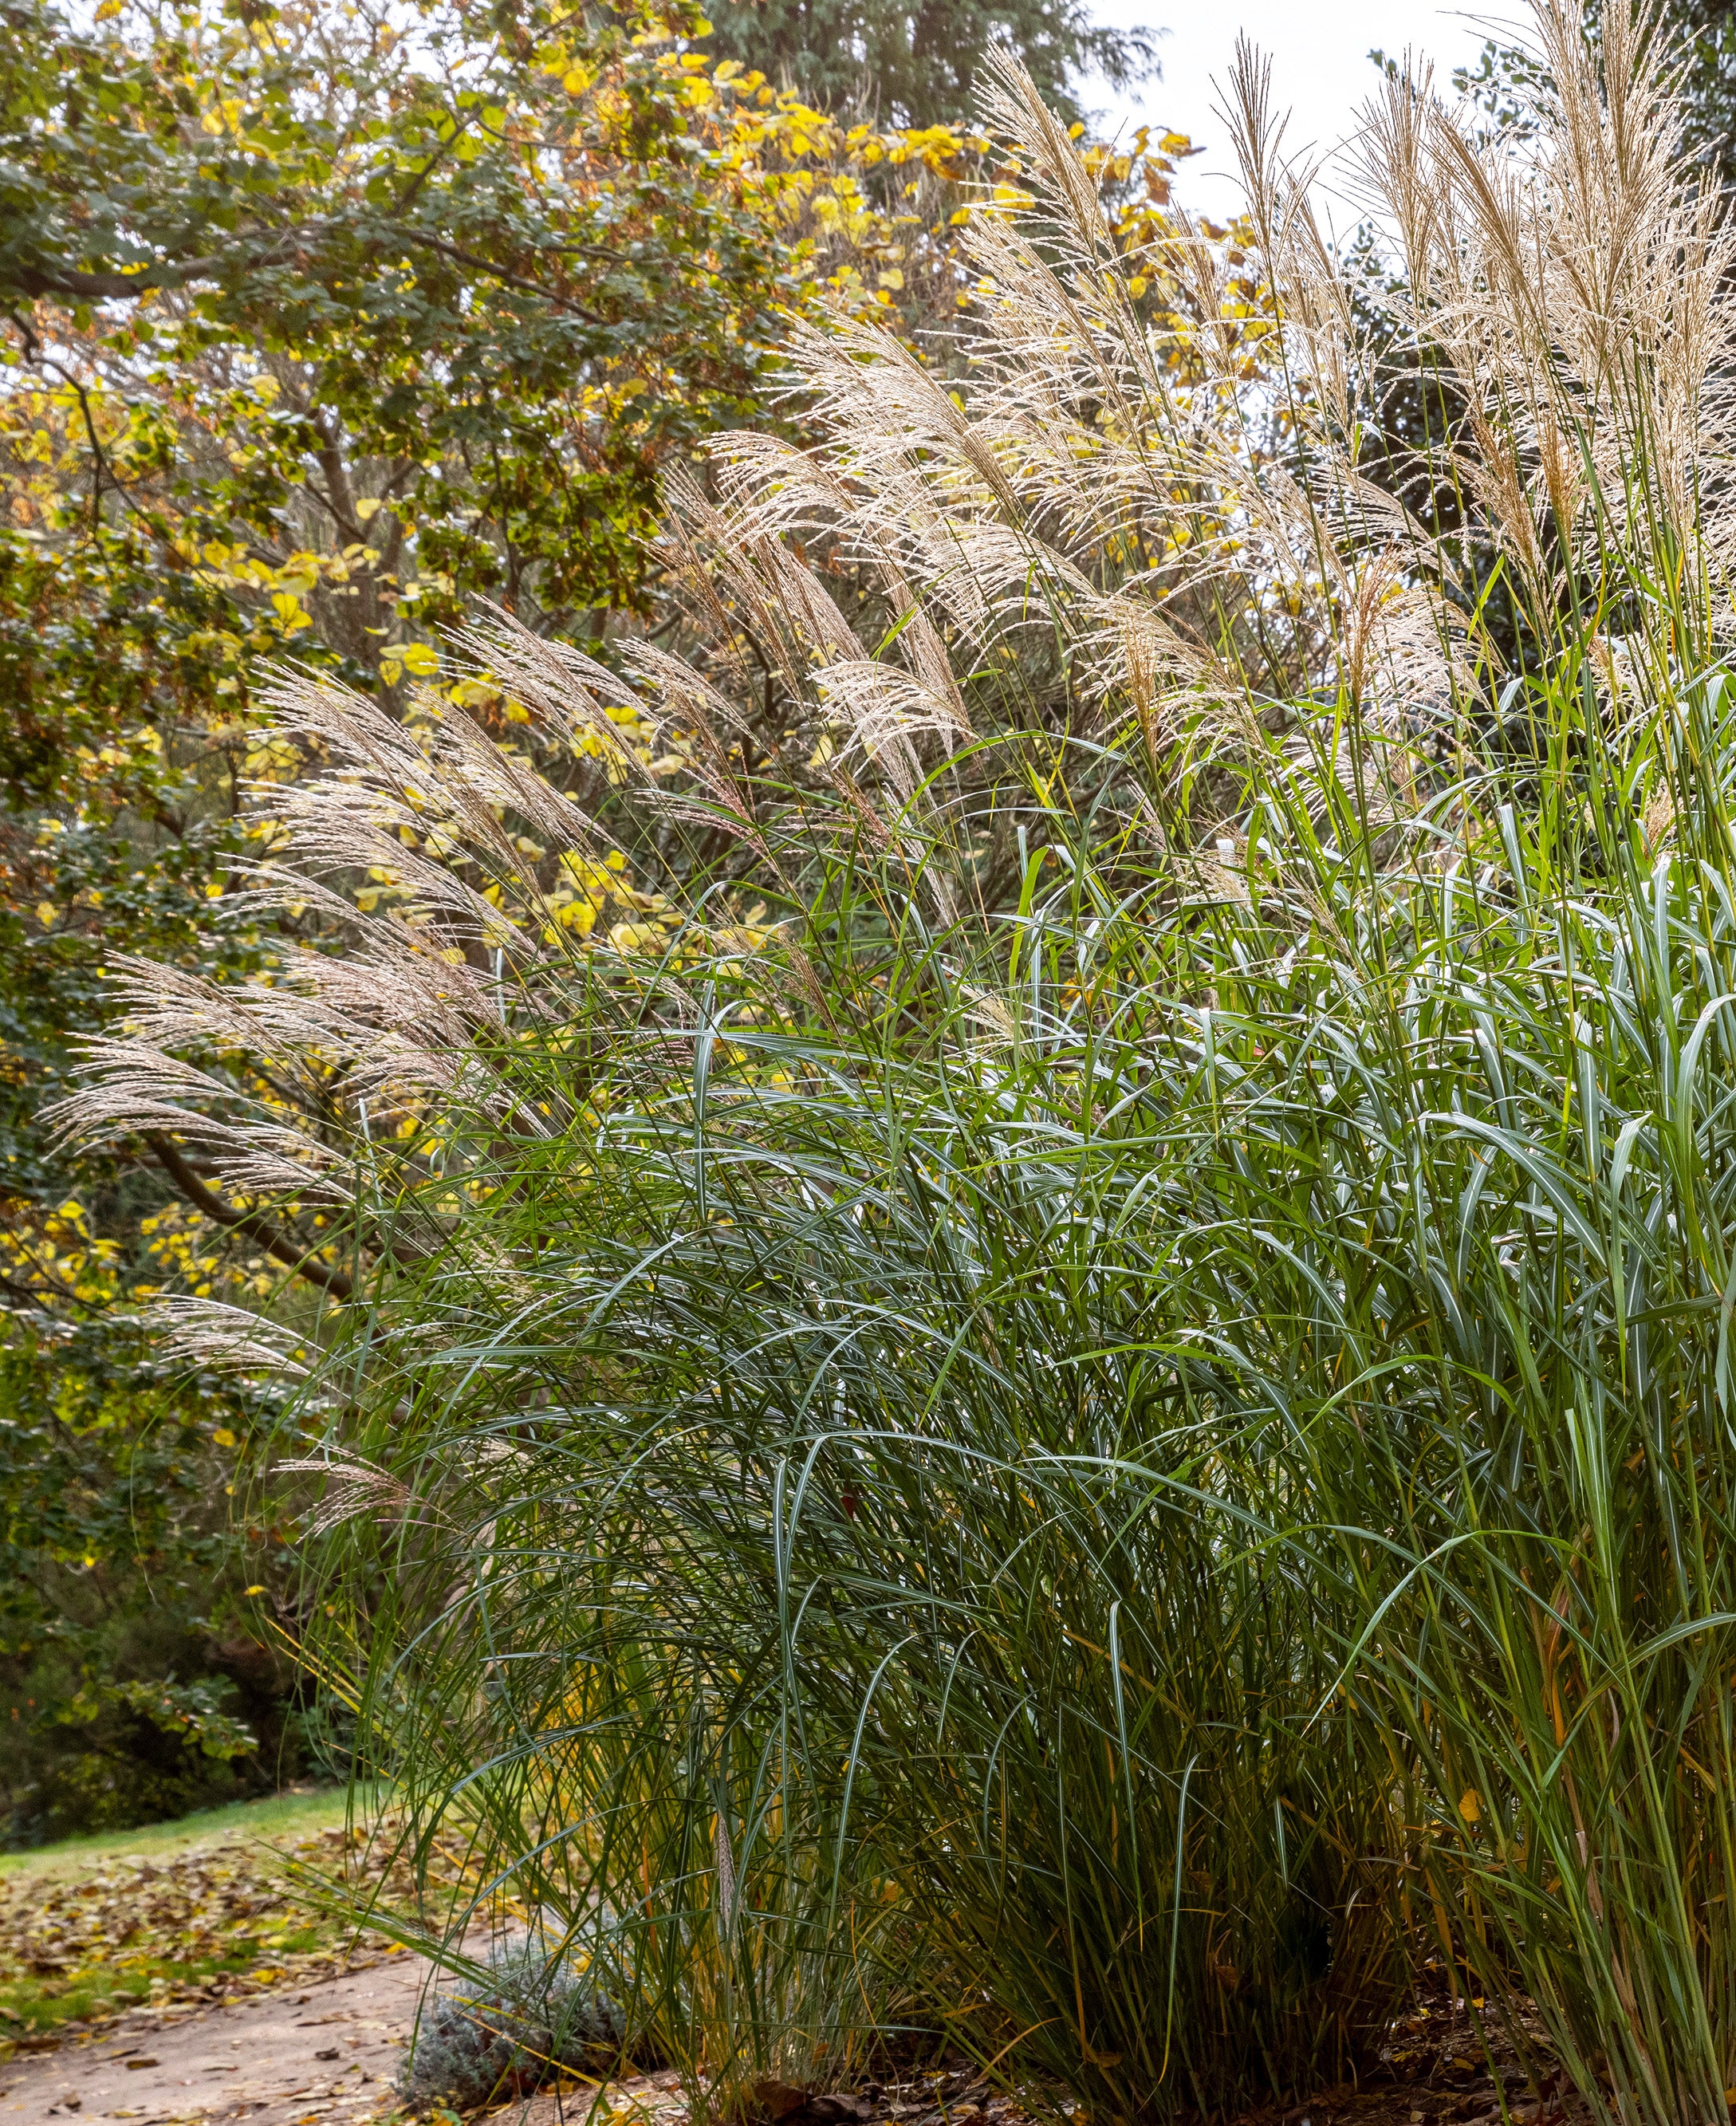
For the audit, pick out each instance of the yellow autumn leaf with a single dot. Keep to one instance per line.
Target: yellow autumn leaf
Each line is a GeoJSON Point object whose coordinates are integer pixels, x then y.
{"type": "Point", "coordinates": [1469, 1807]}
{"type": "Point", "coordinates": [291, 617]}
{"type": "Point", "coordinates": [633, 937]}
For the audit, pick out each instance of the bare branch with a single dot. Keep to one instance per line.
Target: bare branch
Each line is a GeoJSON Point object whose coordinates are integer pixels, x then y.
{"type": "Point", "coordinates": [276, 1243]}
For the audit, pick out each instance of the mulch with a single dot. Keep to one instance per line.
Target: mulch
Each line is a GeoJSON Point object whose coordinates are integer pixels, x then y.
{"type": "Point", "coordinates": [1442, 2065]}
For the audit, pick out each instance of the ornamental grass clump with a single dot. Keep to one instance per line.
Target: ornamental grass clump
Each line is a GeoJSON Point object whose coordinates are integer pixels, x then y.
{"type": "Point", "coordinates": [1070, 1392]}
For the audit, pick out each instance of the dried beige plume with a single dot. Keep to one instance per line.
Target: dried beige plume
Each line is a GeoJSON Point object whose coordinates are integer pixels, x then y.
{"type": "Point", "coordinates": [205, 1332]}
{"type": "Point", "coordinates": [354, 1487]}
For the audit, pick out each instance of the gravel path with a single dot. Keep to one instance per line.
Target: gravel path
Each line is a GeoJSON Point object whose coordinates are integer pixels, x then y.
{"type": "Point", "coordinates": [325, 2056]}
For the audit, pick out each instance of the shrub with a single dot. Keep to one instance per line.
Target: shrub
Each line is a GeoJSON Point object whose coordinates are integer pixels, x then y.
{"type": "Point", "coordinates": [131, 1679]}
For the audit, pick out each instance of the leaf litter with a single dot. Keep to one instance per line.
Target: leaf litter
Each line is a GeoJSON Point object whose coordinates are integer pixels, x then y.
{"type": "Point", "coordinates": [139, 1935]}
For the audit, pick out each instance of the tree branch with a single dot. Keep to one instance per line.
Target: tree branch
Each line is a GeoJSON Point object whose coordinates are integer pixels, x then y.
{"type": "Point", "coordinates": [66, 284]}
{"type": "Point", "coordinates": [507, 280]}
{"type": "Point", "coordinates": [276, 1243]}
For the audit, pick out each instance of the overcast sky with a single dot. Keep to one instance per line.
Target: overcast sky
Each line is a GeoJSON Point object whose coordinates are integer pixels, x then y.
{"type": "Point", "coordinates": [1320, 68]}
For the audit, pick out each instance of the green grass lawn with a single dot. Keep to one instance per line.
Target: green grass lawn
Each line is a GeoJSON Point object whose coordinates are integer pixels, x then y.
{"type": "Point", "coordinates": [279, 1818]}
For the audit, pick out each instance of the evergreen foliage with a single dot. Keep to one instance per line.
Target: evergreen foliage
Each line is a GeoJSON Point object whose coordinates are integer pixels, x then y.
{"type": "Point", "coordinates": [916, 62]}
{"type": "Point", "coordinates": [136, 1677]}
{"type": "Point", "coordinates": [527, 2018]}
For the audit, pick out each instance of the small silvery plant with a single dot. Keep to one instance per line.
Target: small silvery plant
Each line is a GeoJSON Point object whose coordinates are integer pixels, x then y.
{"type": "Point", "coordinates": [534, 2016]}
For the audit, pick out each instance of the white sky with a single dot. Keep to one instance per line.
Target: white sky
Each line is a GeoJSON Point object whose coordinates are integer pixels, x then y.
{"type": "Point", "coordinates": [1320, 70]}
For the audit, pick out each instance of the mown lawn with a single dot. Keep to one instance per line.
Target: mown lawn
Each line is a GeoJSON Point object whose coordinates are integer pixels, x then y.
{"type": "Point", "coordinates": [282, 1816]}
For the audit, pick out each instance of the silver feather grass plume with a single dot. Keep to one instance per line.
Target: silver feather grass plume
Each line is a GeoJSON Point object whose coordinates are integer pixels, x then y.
{"type": "Point", "coordinates": [394, 1020]}
{"type": "Point", "coordinates": [1187, 507]}
{"type": "Point", "coordinates": [1578, 287]}
{"type": "Point", "coordinates": [354, 1487]}
{"type": "Point", "coordinates": [1090, 466]}
{"type": "Point", "coordinates": [205, 1332]}
{"type": "Point", "coordinates": [725, 1876]}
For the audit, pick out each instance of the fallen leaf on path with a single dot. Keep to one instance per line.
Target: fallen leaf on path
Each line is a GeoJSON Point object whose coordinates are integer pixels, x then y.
{"type": "Point", "coordinates": [140, 1935]}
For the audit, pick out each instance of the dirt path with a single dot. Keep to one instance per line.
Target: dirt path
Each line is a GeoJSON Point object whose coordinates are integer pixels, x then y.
{"type": "Point", "coordinates": [325, 2055]}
